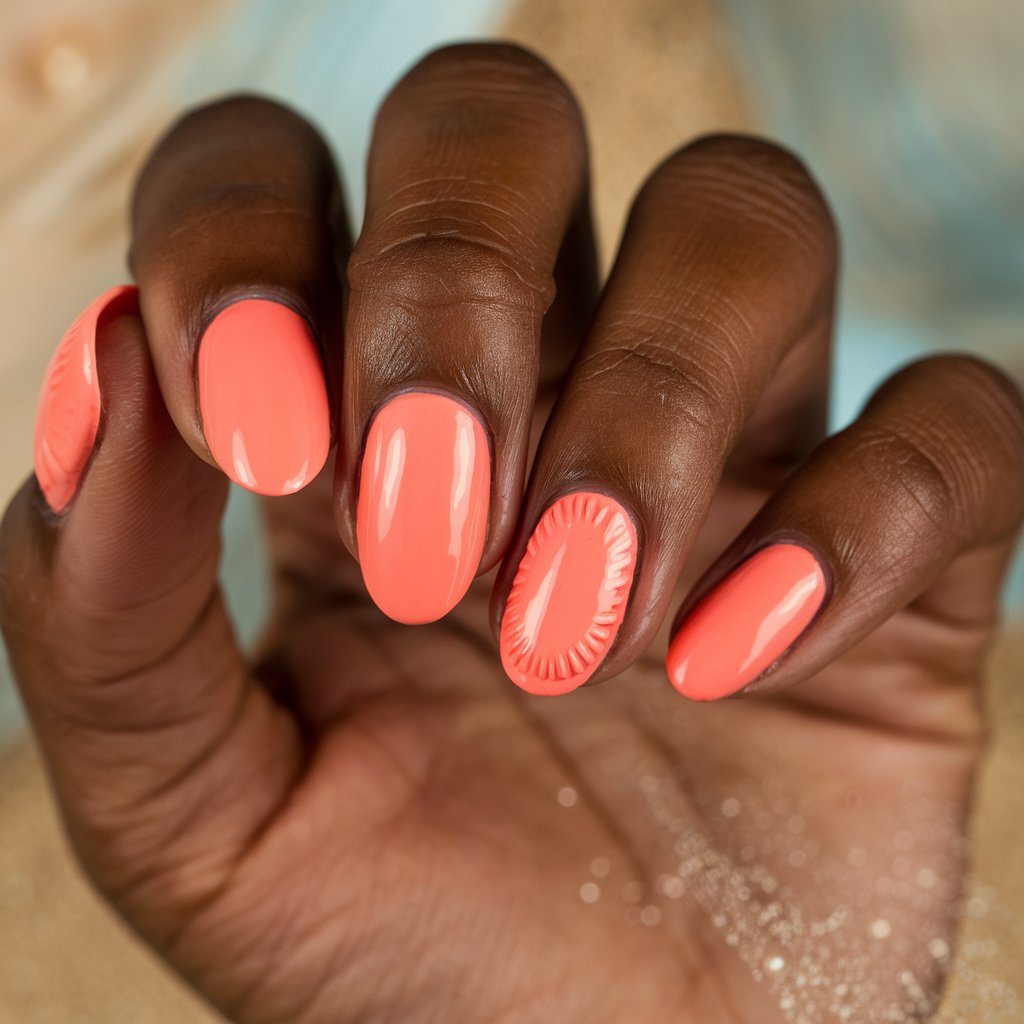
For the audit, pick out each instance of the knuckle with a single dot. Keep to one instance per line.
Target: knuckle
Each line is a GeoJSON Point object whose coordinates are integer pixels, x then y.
{"type": "Point", "coordinates": [244, 161]}
{"type": "Point", "coordinates": [698, 401]}
{"type": "Point", "coordinates": [504, 67]}
{"type": "Point", "coordinates": [984, 388]}
{"type": "Point", "coordinates": [239, 108]}
{"type": "Point", "coordinates": [476, 88]}
{"type": "Point", "coordinates": [981, 418]}
{"type": "Point", "coordinates": [922, 485]}
{"type": "Point", "coordinates": [755, 182]}
{"type": "Point", "coordinates": [444, 270]}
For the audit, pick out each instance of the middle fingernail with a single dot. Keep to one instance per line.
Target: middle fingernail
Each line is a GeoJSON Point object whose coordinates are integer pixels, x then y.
{"type": "Point", "coordinates": [569, 595]}
{"type": "Point", "coordinates": [424, 495]}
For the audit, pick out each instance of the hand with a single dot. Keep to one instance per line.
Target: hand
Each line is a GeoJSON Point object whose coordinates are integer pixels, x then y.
{"type": "Point", "coordinates": [368, 821]}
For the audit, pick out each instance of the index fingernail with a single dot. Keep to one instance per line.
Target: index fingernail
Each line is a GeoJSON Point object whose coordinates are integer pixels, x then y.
{"type": "Point", "coordinates": [262, 397]}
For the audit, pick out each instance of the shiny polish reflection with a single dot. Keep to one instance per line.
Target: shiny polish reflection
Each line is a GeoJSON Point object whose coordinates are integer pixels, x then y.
{"type": "Point", "coordinates": [424, 495]}
{"type": "Point", "coordinates": [746, 623]}
{"type": "Point", "coordinates": [569, 595]}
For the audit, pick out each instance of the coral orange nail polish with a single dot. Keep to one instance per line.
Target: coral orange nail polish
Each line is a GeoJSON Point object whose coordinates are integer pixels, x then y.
{"type": "Point", "coordinates": [747, 622]}
{"type": "Point", "coordinates": [569, 595]}
{"type": "Point", "coordinates": [68, 416]}
{"type": "Point", "coordinates": [424, 496]}
{"type": "Point", "coordinates": [262, 397]}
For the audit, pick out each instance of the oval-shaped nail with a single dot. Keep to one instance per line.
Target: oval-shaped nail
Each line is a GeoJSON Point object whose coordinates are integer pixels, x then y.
{"type": "Point", "coordinates": [424, 495]}
{"type": "Point", "coordinates": [569, 594]}
{"type": "Point", "coordinates": [262, 397]}
{"type": "Point", "coordinates": [68, 414]}
{"type": "Point", "coordinates": [745, 624]}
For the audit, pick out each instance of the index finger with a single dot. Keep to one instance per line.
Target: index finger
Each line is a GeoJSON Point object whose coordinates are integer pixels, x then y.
{"type": "Point", "coordinates": [237, 228]}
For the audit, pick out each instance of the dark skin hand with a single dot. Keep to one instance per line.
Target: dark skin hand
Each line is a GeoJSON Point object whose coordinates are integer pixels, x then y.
{"type": "Point", "coordinates": [365, 822]}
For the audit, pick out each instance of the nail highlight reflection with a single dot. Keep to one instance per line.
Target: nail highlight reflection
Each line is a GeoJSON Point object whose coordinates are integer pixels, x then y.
{"type": "Point", "coordinates": [424, 496]}
{"type": "Point", "coordinates": [746, 623]}
{"type": "Point", "coordinates": [263, 398]}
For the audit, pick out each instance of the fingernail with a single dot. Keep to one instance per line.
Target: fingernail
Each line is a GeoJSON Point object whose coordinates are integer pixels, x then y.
{"type": "Point", "coordinates": [424, 495]}
{"type": "Point", "coordinates": [68, 416]}
{"type": "Point", "coordinates": [262, 397]}
{"type": "Point", "coordinates": [569, 595]}
{"type": "Point", "coordinates": [747, 622]}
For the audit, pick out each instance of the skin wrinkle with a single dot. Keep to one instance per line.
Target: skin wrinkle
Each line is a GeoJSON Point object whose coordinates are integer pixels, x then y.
{"type": "Point", "coordinates": [348, 957]}
{"type": "Point", "coordinates": [126, 869]}
{"type": "Point", "coordinates": [202, 219]}
{"type": "Point", "coordinates": [508, 75]}
{"type": "Point", "coordinates": [924, 481]}
{"type": "Point", "coordinates": [757, 163]}
{"type": "Point", "coordinates": [810, 233]}
{"type": "Point", "coordinates": [498, 207]}
{"type": "Point", "coordinates": [490, 261]}
{"type": "Point", "coordinates": [695, 401]}
{"type": "Point", "coordinates": [800, 224]}
{"type": "Point", "coordinates": [687, 346]}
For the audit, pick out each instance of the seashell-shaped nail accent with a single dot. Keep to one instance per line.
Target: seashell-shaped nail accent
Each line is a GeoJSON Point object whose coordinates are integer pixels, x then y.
{"type": "Point", "coordinates": [570, 593]}
{"type": "Point", "coordinates": [68, 416]}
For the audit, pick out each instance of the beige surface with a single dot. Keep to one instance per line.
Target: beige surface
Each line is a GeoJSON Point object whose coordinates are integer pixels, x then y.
{"type": "Point", "coordinates": [62, 956]}
{"type": "Point", "coordinates": [650, 78]}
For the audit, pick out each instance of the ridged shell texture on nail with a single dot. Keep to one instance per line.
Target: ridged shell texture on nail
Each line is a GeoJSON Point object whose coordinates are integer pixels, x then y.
{"type": "Point", "coordinates": [569, 594]}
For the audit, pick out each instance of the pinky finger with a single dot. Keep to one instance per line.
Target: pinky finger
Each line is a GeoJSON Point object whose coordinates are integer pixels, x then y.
{"type": "Point", "coordinates": [919, 501]}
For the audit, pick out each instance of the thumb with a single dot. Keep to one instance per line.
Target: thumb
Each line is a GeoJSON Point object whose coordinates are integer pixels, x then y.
{"type": "Point", "coordinates": [165, 756]}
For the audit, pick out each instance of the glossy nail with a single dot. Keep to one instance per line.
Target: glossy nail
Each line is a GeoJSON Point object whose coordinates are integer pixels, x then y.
{"type": "Point", "coordinates": [68, 415]}
{"type": "Point", "coordinates": [424, 494]}
{"type": "Point", "coordinates": [262, 397]}
{"type": "Point", "coordinates": [747, 622]}
{"type": "Point", "coordinates": [569, 595]}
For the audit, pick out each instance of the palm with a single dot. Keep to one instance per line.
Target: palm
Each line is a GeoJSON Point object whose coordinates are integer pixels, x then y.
{"type": "Point", "coordinates": [458, 850]}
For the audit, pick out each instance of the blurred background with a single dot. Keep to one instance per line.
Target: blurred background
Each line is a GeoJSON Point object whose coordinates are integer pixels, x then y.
{"type": "Point", "coordinates": [908, 111]}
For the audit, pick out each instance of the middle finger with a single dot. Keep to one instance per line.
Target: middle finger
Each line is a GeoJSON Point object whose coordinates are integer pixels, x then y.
{"type": "Point", "coordinates": [476, 171]}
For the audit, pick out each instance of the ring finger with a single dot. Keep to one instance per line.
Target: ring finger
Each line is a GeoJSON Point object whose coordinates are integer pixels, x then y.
{"type": "Point", "coordinates": [709, 352]}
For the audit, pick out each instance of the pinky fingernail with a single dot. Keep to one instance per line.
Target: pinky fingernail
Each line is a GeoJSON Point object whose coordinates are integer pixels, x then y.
{"type": "Point", "coordinates": [747, 622]}
{"type": "Point", "coordinates": [68, 416]}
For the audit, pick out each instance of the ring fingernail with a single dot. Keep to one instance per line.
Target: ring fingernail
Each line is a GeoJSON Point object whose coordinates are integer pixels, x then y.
{"type": "Point", "coordinates": [68, 416]}
{"type": "Point", "coordinates": [424, 494]}
{"type": "Point", "coordinates": [747, 622]}
{"type": "Point", "coordinates": [569, 595]}
{"type": "Point", "coordinates": [263, 398]}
